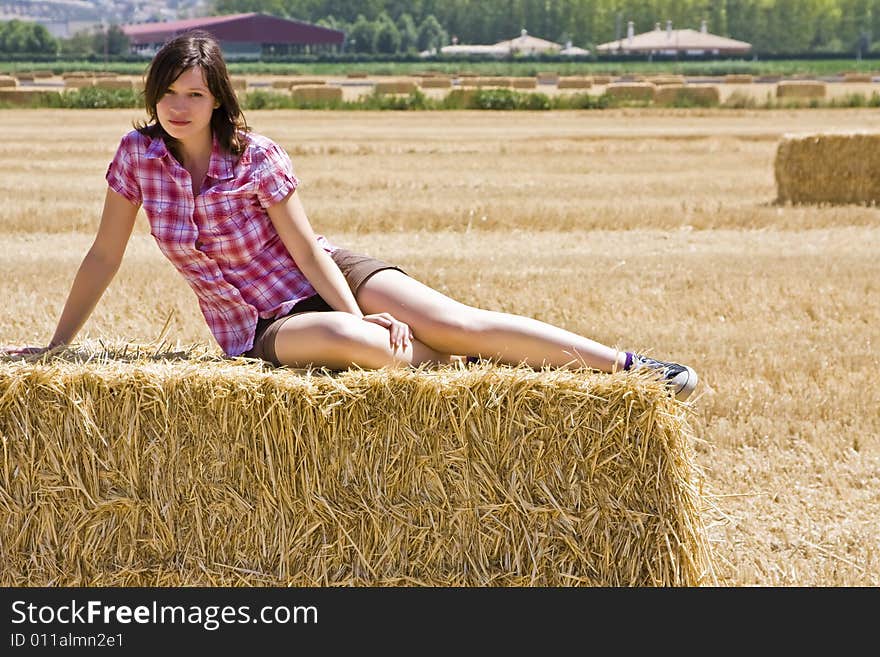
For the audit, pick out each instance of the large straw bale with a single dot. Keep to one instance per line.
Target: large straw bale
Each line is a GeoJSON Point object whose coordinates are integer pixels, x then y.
{"type": "Point", "coordinates": [43, 73]}
{"type": "Point", "coordinates": [834, 168]}
{"type": "Point", "coordinates": [299, 82]}
{"type": "Point", "coordinates": [800, 89]}
{"type": "Point", "coordinates": [739, 78]}
{"type": "Point", "coordinates": [602, 79]}
{"type": "Point", "coordinates": [8, 81]}
{"type": "Point", "coordinates": [239, 83]}
{"type": "Point", "coordinates": [76, 74]}
{"type": "Point", "coordinates": [114, 83]}
{"type": "Point", "coordinates": [283, 83]}
{"type": "Point", "coordinates": [485, 82]}
{"type": "Point", "coordinates": [703, 95]}
{"type": "Point", "coordinates": [631, 91]}
{"type": "Point", "coordinates": [547, 77]}
{"type": "Point", "coordinates": [25, 76]}
{"type": "Point", "coordinates": [140, 470]}
{"type": "Point", "coordinates": [395, 87]}
{"type": "Point", "coordinates": [662, 80]}
{"type": "Point", "coordinates": [520, 82]}
{"type": "Point", "coordinates": [435, 82]}
{"type": "Point", "coordinates": [575, 82]}
{"type": "Point", "coordinates": [79, 83]}
{"type": "Point", "coordinates": [24, 97]}
{"type": "Point", "coordinates": [858, 77]}
{"type": "Point", "coordinates": [318, 92]}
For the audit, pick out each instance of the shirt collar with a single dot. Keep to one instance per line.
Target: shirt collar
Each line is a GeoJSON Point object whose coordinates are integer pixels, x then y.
{"type": "Point", "coordinates": [221, 166]}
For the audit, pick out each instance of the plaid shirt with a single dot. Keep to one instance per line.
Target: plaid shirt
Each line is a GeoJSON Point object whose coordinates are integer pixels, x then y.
{"type": "Point", "coordinates": [222, 241]}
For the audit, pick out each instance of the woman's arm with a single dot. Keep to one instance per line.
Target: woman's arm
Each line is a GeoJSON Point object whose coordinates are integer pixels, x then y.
{"type": "Point", "coordinates": [290, 220]}
{"type": "Point", "coordinates": [98, 267]}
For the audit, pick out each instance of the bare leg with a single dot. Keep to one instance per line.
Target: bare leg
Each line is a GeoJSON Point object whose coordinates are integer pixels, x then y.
{"type": "Point", "coordinates": [449, 326]}
{"type": "Point", "coordinates": [338, 340]}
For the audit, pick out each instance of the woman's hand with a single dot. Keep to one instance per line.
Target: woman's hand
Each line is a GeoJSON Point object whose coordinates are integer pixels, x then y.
{"type": "Point", "coordinates": [401, 334]}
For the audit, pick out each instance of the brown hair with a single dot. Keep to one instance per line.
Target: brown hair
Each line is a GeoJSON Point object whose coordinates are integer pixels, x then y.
{"type": "Point", "coordinates": [183, 52]}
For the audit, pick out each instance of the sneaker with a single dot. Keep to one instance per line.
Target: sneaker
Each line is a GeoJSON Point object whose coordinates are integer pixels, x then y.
{"type": "Point", "coordinates": [681, 379]}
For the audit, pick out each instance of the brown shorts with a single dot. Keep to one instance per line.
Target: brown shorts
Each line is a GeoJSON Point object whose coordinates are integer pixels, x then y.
{"type": "Point", "coordinates": [356, 268]}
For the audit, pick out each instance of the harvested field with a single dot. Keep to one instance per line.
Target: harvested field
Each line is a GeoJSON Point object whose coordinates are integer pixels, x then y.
{"type": "Point", "coordinates": [648, 229]}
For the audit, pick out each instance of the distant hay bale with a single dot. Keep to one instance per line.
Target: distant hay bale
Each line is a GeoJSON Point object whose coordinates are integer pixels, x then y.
{"type": "Point", "coordinates": [25, 97]}
{"type": "Point", "coordinates": [800, 89]}
{"type": "Point", "coordinates": [523, 83]}
{"type": "Point", "coordinates": [8, 81]}
{"type": "Point", "coordinates": [79, 83]}
{"type": "Point", "coordinates": [858, 77]}
{"type": "Point", "coordinates": [76, 74]}
{"type": "Point", "coordinates": [702, 95]}
{"type": "Point", "coordinates": [739, 78]}
{"type": "Point", "coordinates": [316, 93]}
{"type": "Point", "coordinates": [395, 87]}
{"type": "Point", "coordinates": [43, 73]}
{"type": "Point", "coordinates": [280, 84]}
{"type": "Point", "coordinates": [480, 82]}
{"type": "Point", "coordinates": [768, 78]}
{"type": "Point", "coordinates": [25, 77]}
{"type": "Point", "coordinates": [114, 83]}
{"type": "Point", "coordinates": [104, 74]}
{"type": "Point", "coordinates": [356, 74]}
{"type": "Point", "coordinates": [663, 80]}
{"type": "Point", "coordinates": [298, 82]}
{"type": "Point", "coordinates": [547, 77]}
{"type": "Point", "coordinates": [435, 82]}
{"type": "Point", "coordinates": [239, 83]}
{"type": "Point", "coordinates": [631, 91]}
{"type": "Point", "coordinates": [834, 168]}
{"type": "Point", "coordinates": [602, 79]}
{"type": "Point", "coordinates": [574, 82]}
{"type": "Point", "coordinates": [144, 471]}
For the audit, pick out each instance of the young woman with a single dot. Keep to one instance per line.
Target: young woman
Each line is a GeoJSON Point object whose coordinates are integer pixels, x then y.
{"type": "Point", "coordinates": [222, 205]}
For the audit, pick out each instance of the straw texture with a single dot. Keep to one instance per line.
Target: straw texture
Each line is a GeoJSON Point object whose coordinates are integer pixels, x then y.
{"type": "Point", "coordinates": [130, 469]}
{"type": "Point", "coordinates": [834, 168]}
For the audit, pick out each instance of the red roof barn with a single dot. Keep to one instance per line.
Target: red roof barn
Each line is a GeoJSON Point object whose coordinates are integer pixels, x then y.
{"type": "Point", "coordinates": [242, 36]}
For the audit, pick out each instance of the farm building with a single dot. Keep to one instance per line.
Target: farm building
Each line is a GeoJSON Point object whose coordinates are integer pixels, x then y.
{"type": "Point", "coordinates": [524, 44]}
{"type": "Point", "coordinates": [242, 36]}
{"type": "Point", "coordinates": [674, 42]}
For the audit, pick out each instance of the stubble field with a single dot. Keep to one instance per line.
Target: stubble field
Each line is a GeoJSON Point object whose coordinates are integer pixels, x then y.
{"type": "Point", "coordinates": [653, 230]}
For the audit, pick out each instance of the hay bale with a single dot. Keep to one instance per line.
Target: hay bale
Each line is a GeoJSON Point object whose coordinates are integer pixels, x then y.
{"type": "Point", "coordinates": [280, 84]}
{"type": "Point", "coordinates": [395, 87]}
{"type": "Point", "coordinates": [547, 77]}
{"type": "Point", "coordinates": [858, 77]}
{"type": "Point", "coordinates": [631, 91]}
{"type": "Point", "coordinates": [313, 82]}
{"type": "Point", "coordinates": [435, 82]}
{"type": "Point", "coordinates": [316, 93]}
{"type": "Point", "coordinates": [739, 78]}
{"type": "Point", "coordinates": [523, 83]}
{"type": "Point", "coordinates": [25, 77]}
{"type": "Point", "coordinates": [664, 80]}
{"type": "Point", "coordinates": [76, 74]}
{"type": "Point", "coordinates": [602, 79]}
{"type": "Point", "coordinates": [114, 83]}
{"type": "Point", "coordinates": [703, 95]}
{"type": "Point", "coordinates": [481, 82]}
{"type": "Point", "coordinates": [834, 168]}
{"type": "Point", "coordinates": [8, 81]}
{"type": "Point", "coordinates": [239, 83]}
{"type": "Point", "coordinates": [356, 74]}
{"type": "Point", "coordinates": [202, 471]}
{"type": "Point", "coordinates": [43, 73]}
{"type": "Point", "coordinates": [79, 83]}
{"type": "Point", "coordinates": [25, 97]}
{"type": "Point", "coordinates": [575, 82]}
{"type": "Point", "coordinates": [800, 89]}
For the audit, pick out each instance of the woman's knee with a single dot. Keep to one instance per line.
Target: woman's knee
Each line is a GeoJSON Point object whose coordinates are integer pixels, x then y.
{"type": "Point", "coordinates": [333, 339]}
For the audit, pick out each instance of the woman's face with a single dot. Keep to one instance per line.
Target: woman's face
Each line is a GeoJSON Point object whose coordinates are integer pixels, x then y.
{"type": "Point", "coordinates": [186, 107]}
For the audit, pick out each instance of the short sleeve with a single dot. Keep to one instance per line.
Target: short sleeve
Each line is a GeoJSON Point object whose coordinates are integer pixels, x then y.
{"type": "Point", "coordinates": [121, 175]}
{"type": "Point", "coordinates": [276, 179]}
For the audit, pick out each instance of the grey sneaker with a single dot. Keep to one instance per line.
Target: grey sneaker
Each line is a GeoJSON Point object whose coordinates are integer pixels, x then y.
{"type": "Point", "coordinates": [681, 379]}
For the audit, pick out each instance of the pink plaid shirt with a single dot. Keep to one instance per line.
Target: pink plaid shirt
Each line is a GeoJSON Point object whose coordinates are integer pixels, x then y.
{"type": "Point", "coordinates": [222, 241]}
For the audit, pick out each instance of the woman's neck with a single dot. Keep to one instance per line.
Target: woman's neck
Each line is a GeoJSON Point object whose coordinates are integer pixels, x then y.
{"type": "Point", "coordinates": [196, 155]}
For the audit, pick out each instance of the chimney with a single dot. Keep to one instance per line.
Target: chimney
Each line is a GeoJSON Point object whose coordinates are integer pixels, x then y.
{"type": "Point", "coordinates": [703, 27]}
{"type": "Point", "coordinates": [668, 29]}
{"type": "Point", "coordinates": [630, 32]}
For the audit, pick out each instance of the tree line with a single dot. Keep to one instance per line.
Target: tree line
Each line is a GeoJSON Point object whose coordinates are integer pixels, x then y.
{"type": "Point", "coordinates": [771, 26]}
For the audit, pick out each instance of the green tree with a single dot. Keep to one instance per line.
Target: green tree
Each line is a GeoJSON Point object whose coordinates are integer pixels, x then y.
{"type": "Point", "coordinates": [431, 34]}
{"type": "Point", "coordinates": [362, 36]}
{"type": "Point", "coordinates": [387, 40]}
{"type": "Point", "coordinates": [111, 41]}
{"type": "Point", "coordinates": [409, 33]}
